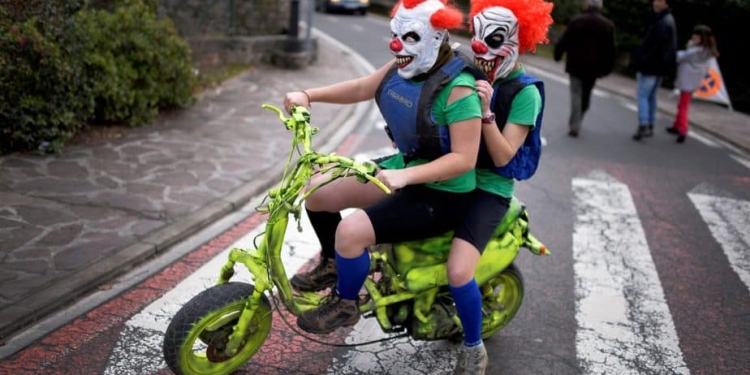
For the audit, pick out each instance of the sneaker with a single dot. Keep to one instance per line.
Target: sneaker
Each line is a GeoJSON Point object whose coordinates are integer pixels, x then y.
{"type": "Point", "coordinates": [573, 133]}
{"type": "Point", "coordinates": [640, 133]}
{"type": "Point", "coordinates": [649, 131]}
{"type": "Point", "coordinates": [681, 138]}
{"type": "Point", "coordinates": [672, 130]}
{"type": "Point", "coordinates": [471, 360]}
{"type": "Point", "coordinates": [321, 277]}
{"type": "Point", "coordinates": [333, 312]}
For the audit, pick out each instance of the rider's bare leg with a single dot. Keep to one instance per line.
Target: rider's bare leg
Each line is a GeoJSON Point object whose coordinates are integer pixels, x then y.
{"type": "Point", "coordinates": [323, 209]}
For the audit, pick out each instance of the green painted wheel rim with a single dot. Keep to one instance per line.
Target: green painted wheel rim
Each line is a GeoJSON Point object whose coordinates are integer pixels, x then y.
{"type": "Point", "coordinates": [503, 302]}
{"type": "Point", "coordinates": [194, 356]}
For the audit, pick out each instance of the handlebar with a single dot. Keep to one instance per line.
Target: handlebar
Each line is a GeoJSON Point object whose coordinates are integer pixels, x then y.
{"type": "Point", "coordinates": [299, 123]}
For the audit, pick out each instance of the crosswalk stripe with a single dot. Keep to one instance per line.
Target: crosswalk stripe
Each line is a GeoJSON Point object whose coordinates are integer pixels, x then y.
{"type": "Point", "coordinates": [624, 323]}
{"type": "Point", "coordinates": [728, 220]}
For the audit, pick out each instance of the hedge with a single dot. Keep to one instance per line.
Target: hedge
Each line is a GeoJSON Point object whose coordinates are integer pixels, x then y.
{"type": "Point", "coordinates": [64, 66]}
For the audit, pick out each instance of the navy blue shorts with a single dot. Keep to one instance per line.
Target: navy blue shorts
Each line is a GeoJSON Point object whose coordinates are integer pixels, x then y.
{"type": "Point", "coordinates": [416, 212]}
{"type": "Point", "coordinates": [483, 215]}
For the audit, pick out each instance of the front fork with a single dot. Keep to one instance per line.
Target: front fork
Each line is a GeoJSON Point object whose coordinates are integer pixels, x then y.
{"type": "Point", "coordinates": [256, 261]}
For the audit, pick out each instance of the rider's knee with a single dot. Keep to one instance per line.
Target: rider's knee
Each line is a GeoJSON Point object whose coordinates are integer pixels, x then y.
{"type": "Point", "coordinates": [458, 276]}
{"type": "Point", "coordinates": [353, 234]}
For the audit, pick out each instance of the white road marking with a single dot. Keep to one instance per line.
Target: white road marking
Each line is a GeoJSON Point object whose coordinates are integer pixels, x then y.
{"type": "Point", "coordinates": [741, 160]}
{"type": "Point", "coordinates": [561, 79]}
{"type": "Point", "coordinates": [545, 74]}
{"type": "Point", "coordinates": [703, 139]}
{"type": "Point", "coordinates": [729, 220]}
{"type": "Point", "coordinates": [629, 106]}
{"type": "Point", "coordinates": [625, 326]}
{"type": "Point", "coordinates": [358, 28]}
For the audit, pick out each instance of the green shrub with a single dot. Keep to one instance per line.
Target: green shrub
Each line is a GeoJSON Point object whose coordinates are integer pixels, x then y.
{"type": "Point", "coordinates": [139, 62]}
{"type": "Point", "coordinates": [62, 67]}
{"type": "Point", "coordinates": [45, 93]}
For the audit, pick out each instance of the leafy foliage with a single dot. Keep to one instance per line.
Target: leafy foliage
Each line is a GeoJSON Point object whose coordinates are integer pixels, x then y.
{"type": "Point", "coordinates": [138, 62]}
{"type": "Point", "coordinates": [63, 66]}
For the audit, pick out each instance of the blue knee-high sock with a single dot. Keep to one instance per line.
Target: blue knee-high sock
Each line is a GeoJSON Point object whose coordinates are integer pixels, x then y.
{"type": "Point", "coordinates": [469, 307]}
{"type": "Point", "coordinates": [352, 273]}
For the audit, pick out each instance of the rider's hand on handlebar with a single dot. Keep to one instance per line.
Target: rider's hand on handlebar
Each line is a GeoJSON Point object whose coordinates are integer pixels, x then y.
{"type": "Point", "coordinates": [394, 179]}
{"type": "Point", "coordinates": [295, 98]}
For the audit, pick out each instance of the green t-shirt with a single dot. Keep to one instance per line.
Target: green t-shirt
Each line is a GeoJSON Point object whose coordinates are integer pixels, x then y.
{"type": "Point", "coordinates": [524, 110]}
{"type": "Point", "coordinates": [462, 109]}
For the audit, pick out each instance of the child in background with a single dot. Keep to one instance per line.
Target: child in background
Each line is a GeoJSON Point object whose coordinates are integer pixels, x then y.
{"type": "Point", "coordinates": [692, 67]}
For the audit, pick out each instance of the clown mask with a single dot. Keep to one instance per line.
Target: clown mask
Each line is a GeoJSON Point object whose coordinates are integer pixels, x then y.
{"type": "Point", "coordinates": [495, 41]}
{"type": "Point", "coordinates": [415, 42]}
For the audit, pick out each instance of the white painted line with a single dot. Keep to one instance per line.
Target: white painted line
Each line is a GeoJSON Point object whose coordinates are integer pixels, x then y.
{"type": "Point", "coordinates": [545, 74]}
{"type": "Point", "coordinates": [601, 93]}
{"type": "Point", "coordinates": [358, 28]}
{"type": "Point", "coordinates": [729, 222]}
{"type": "Point", "coordinates": [741, 160]}
{"type": "Point", "coordinates": [629, 106]}
{"type": "Point", "coordinates": [703, 139]}
{"type": "Point", "coordinates": [624, 323]}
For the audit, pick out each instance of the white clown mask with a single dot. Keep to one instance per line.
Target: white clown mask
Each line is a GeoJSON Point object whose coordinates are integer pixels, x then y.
{"type": "Point", "coordinates": [414, 41]}
{"type": "Point", "coordinates": [495, 42]}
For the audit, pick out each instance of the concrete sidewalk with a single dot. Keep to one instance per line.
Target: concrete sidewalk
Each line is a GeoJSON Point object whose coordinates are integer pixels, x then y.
{"type": "Point", "coordinates": [70, 223]}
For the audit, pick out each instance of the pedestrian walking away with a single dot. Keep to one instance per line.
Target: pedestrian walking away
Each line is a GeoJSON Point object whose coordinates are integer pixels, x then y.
{"type": "Point", "coordinates": [588, 45]}
{"type": "Point", "coordinates": [693, 63]}
{"type": "Point", "coordinates": [654, 59]}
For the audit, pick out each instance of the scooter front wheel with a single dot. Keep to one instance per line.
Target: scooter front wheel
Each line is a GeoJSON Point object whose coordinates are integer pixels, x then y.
{"type": "Point", "coordinates": [502, 297]}
{"type": "Point", "coordinates": [197, 336]}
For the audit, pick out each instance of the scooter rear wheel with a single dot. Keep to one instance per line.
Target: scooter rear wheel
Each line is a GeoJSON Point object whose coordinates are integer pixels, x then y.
{"type": "Point", "coordinates": [502, 297]}
{"type": "Point", "coordinates": [195, 339]}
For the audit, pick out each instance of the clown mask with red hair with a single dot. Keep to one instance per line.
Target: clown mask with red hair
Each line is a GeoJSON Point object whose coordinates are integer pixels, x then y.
{"type": "Point", "coordinates": [503, 29]}
{"type": "Point", "coordinates": [418, 29]}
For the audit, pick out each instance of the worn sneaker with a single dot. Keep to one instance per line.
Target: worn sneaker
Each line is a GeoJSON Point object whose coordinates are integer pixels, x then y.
{"type": "Point", "coordinates": [471, 360]}
{"type": "Point", "coordinates": [640, 133]}
{"type": "Point", "coordinates": [333, 313]}
{"type": "Point", "coordinates": [321, 277]}
{"type": "Point", "coordinates": [649, 131]}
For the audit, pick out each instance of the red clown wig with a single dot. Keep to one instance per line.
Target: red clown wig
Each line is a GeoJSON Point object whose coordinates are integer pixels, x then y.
{"type": "Point", "coordinates": [448, 18]}
{"type": "Point", "coordinates": [534, 18]}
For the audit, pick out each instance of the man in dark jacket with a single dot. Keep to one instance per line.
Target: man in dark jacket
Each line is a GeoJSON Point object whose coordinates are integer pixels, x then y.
{"type": "Point", "coordinates": [655, 58]}
{"type": "Point", "coordinates": [589, 42]}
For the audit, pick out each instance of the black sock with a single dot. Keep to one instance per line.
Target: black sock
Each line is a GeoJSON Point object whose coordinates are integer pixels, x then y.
{"type": "Point", "coordinates": [324, 224]}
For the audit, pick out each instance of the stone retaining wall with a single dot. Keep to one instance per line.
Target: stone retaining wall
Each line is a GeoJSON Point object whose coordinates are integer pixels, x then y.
{"type": "Point", "coordinates": [237, 31]}
{"type": "Point", "coordinates": [227, 17]}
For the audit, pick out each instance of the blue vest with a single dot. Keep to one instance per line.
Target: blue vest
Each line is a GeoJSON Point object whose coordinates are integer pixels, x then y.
{"type": "Point", "coordinates": [525, 161]}
{"type": "Point", "coordinates": [407, 106]}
